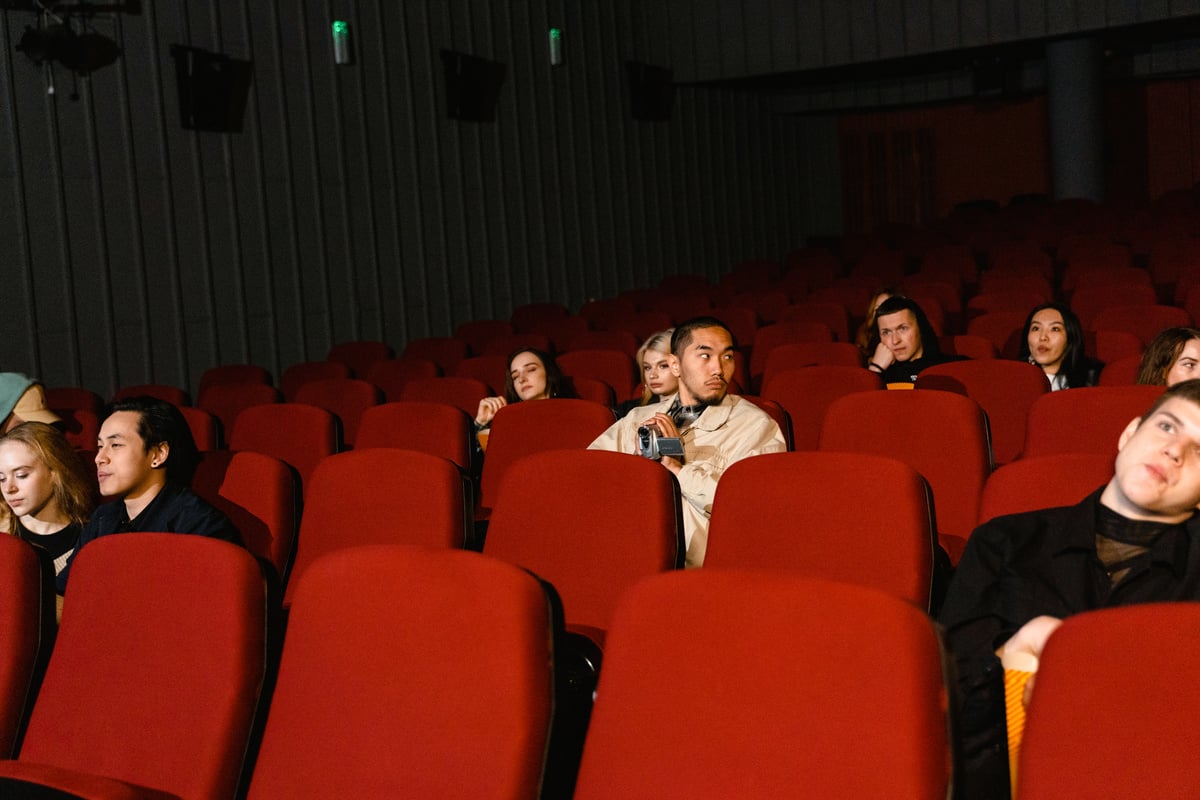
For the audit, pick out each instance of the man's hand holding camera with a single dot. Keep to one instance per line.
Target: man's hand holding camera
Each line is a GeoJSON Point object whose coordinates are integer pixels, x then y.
{"type": "Point", "coordinates": [658, 438]}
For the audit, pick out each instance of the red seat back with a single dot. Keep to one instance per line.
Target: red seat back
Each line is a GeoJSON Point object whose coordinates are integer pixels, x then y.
{"type": "Point", "coordinates": [590, 558]}
{"type": "Point", "coordinates": [803, 512]}
{"type": "Point", "coordinates": [380, 496]}
{"type": "Point", "coordinates": [444, 668]}
{"type": "Point", "coordinates": [157, 669]}
{"type": "Point", "coordinates": [785, 709]}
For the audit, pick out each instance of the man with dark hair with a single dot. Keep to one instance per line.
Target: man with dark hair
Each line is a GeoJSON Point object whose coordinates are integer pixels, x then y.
{"type": "Point", "coordinates": [715, 429]}
{"type": "Point", "coordinates": [144, 462]}
{"type": "Point", "coordinates": [1135, 540]}
{"type": "Point", "coordinates": [907, 341]}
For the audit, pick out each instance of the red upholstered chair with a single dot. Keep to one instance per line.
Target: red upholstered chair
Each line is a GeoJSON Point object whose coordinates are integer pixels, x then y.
{"type": "Point", "coordinates": [779, 685]}
{"type": "Point", "coordinates": [683, 305]}
{"type": "Point", "coordinates": [769, 337]}
{"type": "Point", "coordinates": [1085, 420]}
{"type": "Point", "coordinates": [742, 323]}
{"type": "Point", "coordinates": [81, 426]}
{"type": "Point", "coordinates": [1122, 372]}
{"type": "Point", "coordinates": [438, 429]}
{"type": "Point", "coordinates": [561, 331]}
{"type": "Point", "coordinates": [1088, 300]}
{"type": "Point", "coordinates": [232, 373]}
{"type": "Point", "coordinates": [391, 375]}
{"type": "Point", "coordinates": [206, 430]}
{"type": "Point", "coordinates": [616, 369]}
{"type": "Point", "coordinates": [172, 394]}
{"type": "Point", "coordinates": [777, 412]}
{"type": "Point", "coordinates": [1002, 329]}
{"type": "Point", "coordinates": [1143, 321]}
{"type": "Point", "coordinates": [491, 369]}
{"type": "Point", "coordinates": [806, 393]}
{"type": "Point", "coordinates": [832, 314]}
{"type": "Point", "coordinates": [261, 496]}
{"type": "Point", "coordinates": [445, 351]}
{"type": "Point", "coordinates": [597, 391]}
{"type": "Point", "coordinates": [803, 512]}
{"type": "Point", "coordinates": [348, 398]}
{"type": "Point", "coordinates": [297, 375]}
{"type": "Point", "coordinates": [73, 397]}
{"type": "Point", "coordinates": [446, 680]}
{"type": "Point", "coordinates": [768, 303]}
{"type": "Point", "coordinates": [947, 296]}
{"type": "Point", "coordinates": [806, 354]}
{"type": "Point", "coordinates": [300, 435]}
{"type": "Point", "coordinates": [529, 316]}
{"type": "Point", "coordinates": [1028, 484]}
{"type": "Point", "coordinates": [506, 345]}
{"type": "Point", "coordinates": [26, 634]}
{"type": "Point", "coordinates": [226, 401]}
{"type": "Point", "coordinates": [1090, 660]}
{"type": "Point", "coordinates": [360, 356]}
{"type": "Point", "coordinates": [155, 677]}
{"type": "Point", "coordinates": [621, 341]}
{"type": "Point", "coordinates": [1019, 301]}
{"type": "Point", "coordinates": [477, 333]}
{"type": "Point", "coordinates": [1004, 389]}
{"type": "Point", "coordinates": [463, 393]}
{"type": "Point", "coordinates": [1112, 345]}
{"type": "Point", "coordinates": [641, 323]}
{"type": "Point", "coordinates": [592, 523]}
{"type": "Point", "coordinates": [941, 435]}
{"type": "Point", "coordinates": [380, 496]}
{"type": "Point", "coordinates": [524, 428]}
{"type": "Point", "coordinates": [968, 345]}
{"type": "Point", "coordinates": [598, 312]}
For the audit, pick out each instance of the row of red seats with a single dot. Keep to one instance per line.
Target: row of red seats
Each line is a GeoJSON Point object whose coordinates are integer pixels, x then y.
{"type": "Point", "coordinates": [406, 671]}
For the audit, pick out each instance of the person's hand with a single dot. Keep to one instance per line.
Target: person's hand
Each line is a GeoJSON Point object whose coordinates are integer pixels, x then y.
{"type": "Point", "coordinates": [488, 407]}
{"type": "Point", "coordinates": [882, 357]}
{"type": "Point", "coordinates": [1030, 640]}
{"type": "Point", "coordinates": [666, 428]}
{"type": "Point", "coordinates": [666, 425]}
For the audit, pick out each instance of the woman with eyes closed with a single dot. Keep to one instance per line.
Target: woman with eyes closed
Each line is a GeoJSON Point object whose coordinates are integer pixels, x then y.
{"type": "Point", "coordinates": [47, 495]}
{"type": "Point", "coordinates": [1172, 357]}
{"type": "Point", "coordinates": [658, 382]}
{"type": "Point", "coordinates": [532, 375]}
{"type": "Point", "coordinates": [1053, 340]}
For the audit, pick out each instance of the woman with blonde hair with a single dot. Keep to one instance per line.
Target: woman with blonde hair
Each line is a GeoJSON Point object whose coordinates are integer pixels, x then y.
{"type": "Point", "coordinates": [654, 363]}
{"type": "Point", "coordinates": [47, 494]}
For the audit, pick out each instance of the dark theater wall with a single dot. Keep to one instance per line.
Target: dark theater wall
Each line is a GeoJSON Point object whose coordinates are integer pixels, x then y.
{"type": "Point", "coordinates": [350, 207]}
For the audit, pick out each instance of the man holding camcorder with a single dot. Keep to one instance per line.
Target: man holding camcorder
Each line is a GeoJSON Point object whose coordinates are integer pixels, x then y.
{"type": "Point", "coordinates": [699, 432]}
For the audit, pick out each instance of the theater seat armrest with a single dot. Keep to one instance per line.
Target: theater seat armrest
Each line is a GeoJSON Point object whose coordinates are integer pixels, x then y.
{"type": "Point", "coordinates": [23, 780]}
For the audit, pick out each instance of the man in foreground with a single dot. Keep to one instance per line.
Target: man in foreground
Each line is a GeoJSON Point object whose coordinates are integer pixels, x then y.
{"type": "Point", "coordinates": [716, 428]}
{"type": "Point", "coordinates": [1135, 540]}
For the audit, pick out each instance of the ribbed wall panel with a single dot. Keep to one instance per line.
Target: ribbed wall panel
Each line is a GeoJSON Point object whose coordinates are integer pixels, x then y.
{"type": "Point", "coordinates": [350, 206]}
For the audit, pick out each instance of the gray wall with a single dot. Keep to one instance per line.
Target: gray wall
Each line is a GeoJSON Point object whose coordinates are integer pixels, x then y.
{"type": "Point", "coordinates": [350, 207]}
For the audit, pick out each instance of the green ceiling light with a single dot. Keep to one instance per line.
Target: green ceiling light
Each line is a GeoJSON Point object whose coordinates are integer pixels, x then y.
{"type": "Point", "coordinates": [342, 53]}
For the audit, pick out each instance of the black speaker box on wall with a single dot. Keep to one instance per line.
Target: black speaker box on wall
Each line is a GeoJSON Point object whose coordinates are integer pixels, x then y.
{"type": "Point", "coordinates": [472, 86]}
{"type": "Point", "coordinates": [651, 91]}
{"type": "Point", "coordinates": [212, 89]}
